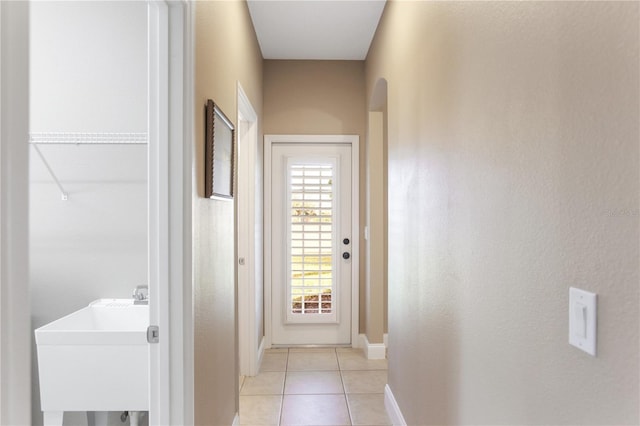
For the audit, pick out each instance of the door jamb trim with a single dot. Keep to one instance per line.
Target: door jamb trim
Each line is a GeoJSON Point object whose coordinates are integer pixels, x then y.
{"type": "Point", "coordinates": [249, 341]}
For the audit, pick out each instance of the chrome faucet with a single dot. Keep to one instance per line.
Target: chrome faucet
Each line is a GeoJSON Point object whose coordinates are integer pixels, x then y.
{"type": "Point", "coordinates": [141, 295]}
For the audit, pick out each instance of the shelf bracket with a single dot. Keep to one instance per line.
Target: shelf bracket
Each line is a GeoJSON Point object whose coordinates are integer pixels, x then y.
{"type": "Point", "coordinates": [64, 195]}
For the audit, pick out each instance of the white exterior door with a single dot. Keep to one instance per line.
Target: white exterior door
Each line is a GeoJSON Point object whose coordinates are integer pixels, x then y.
{"type": "Point", "coordinates": [311, 244]}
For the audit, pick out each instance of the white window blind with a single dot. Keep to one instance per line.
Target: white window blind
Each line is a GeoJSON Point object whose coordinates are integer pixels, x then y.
{"type": "Point", "coordinates": [311, 239]}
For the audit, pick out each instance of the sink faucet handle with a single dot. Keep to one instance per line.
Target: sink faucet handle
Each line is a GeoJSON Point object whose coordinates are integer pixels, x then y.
{"type": "Point", "coordinates": [141, 292]}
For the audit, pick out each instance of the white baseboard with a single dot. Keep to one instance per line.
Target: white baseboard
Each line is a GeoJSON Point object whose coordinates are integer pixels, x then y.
{"type": "Point", "coordinates": [385, 340]}
{"type": "Point", "coordinates": [376, 351]}
{"type": "Point", "coordinates": [371, 350]}
{"type": "Point", "coordinates": [393, 411]}
{"type": "Point", "coordinates": [362, 341]}
{"type": "Point", "coordinates": [236, 420]}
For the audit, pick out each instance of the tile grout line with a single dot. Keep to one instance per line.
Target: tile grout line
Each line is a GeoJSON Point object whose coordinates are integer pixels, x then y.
{"type": "Point", "coordinates": [344, 389]}
{"type": "Point", "coordinates": [286, 370]}
{"type": "Point", "coordinates": [340, 371]}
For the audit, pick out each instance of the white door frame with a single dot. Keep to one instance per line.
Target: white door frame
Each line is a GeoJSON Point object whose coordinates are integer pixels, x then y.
{"type": "Point", "coordinates": [170, 125]}
{"type": "Point", "coordinates": [250, 283]}
{"type": "Point", "coordinates": [170, 266]}
{"type": "Point", "coordinates": [354, 141]}
{"type": "Point", "coordinates": [15, 312]}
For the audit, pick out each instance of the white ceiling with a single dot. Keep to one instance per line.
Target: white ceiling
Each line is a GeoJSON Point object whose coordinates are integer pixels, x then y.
{"type": "Point", "coordinates": [315, 29]}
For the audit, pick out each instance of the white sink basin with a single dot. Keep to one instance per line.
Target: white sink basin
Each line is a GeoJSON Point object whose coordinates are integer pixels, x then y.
{"type": "Point", "coordinates": [95, 359]}
{"type": "Point", "coordinates": [104, 321]}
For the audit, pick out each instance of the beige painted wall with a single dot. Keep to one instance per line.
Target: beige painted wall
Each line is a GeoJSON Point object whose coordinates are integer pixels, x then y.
{"type": "Point", "coordinates": [513, 174]}
{"type": "Point", "coordinates": [319, 97]}
{"type": "Point", "coordinates": [226, 52]}
{"type": "Point", "coordinates": [378, 205]}
{"type": "Point", "coordinates": [376, 262]}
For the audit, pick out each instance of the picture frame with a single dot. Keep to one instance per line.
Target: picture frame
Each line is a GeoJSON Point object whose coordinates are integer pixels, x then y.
{"type": "Point", "coordinates": [219, 153]}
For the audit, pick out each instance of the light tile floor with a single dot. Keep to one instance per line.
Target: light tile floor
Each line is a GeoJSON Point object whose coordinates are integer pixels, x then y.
{"type": "Point", "coordinates": [315, 387]}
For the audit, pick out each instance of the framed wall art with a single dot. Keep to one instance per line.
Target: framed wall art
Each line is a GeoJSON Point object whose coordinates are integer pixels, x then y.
{"type": "Point", "coordinates": [218, 153]}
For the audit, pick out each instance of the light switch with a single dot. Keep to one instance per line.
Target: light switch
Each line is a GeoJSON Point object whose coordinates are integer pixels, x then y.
{"type": "Point", "coordinates": [582, 320]}
{"type": "Point", "coordinates": [580, 312]}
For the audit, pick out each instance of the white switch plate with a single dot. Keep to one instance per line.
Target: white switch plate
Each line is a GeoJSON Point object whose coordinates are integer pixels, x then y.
{"type": "Point", "coordinates": [582, 320]}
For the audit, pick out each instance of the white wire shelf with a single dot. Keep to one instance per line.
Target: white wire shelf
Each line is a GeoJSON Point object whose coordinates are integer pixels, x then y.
{"type": "Point", "coordinates": [77, 138]}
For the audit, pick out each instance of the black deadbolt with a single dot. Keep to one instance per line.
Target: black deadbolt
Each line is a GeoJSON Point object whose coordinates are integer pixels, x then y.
{"type": "Point", "coordinates": [346, 255]}
{"type": "Point", "coordinates": [345, 241]}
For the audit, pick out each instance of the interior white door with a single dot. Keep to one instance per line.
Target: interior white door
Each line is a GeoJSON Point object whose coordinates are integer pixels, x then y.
{"type": "Point", "coordinates": [311, 244]}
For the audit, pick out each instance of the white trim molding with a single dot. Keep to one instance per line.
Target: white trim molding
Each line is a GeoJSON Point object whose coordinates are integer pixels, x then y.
{"type": "Point", "coordinates": [170, 133]}
{"type": "Point", "coordinates": [354, 140]}
{"type": "Point", "coordinates": [236, 420]}
{"type": "Point", "coordinates": [372, 350]}
{"type": "Point", "coordinates": [393, 410]}
{"type": "Point", "coordinates": [158, 209]}
{"type": "Point", "coordinates": [15, 321]}
{"type": "Point", "coordinates": [181, 130]}
{"type": "Point", "coordinates": [249, 242]}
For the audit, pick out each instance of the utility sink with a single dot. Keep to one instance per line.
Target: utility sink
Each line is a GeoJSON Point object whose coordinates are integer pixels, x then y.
{"type": "Point", "coordinates": [95, 359]}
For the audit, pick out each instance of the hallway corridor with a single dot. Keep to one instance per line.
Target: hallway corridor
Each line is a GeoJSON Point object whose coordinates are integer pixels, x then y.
{"type": "Point", "coordinates": [318, 386]}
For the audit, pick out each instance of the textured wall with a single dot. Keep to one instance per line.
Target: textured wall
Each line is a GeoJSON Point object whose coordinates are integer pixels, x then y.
{"type": "Point", "coordinates": [89, 63]}
{"type": "Point", "coordinates": [226, 52]}
{"type": "Point", "coordinates": [319, 97]}
{"type": "Point", "coordinates": [513, 174]}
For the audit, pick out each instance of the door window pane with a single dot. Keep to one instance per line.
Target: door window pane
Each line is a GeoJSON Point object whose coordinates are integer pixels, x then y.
{"type": "Point", "coordinates": [311, 243]}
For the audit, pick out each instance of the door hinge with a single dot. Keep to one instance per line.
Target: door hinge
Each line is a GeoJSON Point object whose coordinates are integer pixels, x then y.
{"type": "Point", "coordinates": [153, 334]}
